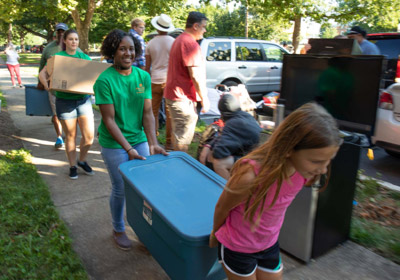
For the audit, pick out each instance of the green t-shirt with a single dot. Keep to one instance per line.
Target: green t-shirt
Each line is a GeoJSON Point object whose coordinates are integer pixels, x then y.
{"type": "Point", "coordinates": [51, 49]}
{"type": "Point", "coordinates": [67, 95]}
{"type": "Point", "coordinates": [127, 93]}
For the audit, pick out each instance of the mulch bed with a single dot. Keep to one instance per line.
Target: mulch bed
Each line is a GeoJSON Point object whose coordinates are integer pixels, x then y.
{"type": "Point", "coordinates": [8, 133]}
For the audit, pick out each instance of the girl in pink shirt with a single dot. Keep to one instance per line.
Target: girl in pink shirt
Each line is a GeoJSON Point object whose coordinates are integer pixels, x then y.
{"type": "Point", "coordinates": [250, 212]}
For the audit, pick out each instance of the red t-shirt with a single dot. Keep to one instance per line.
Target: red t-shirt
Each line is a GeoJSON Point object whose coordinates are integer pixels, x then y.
{"type": "Point", "coordinates": [185, 52]}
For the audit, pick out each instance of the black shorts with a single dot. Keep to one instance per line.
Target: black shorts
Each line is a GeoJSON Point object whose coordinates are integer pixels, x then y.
{"type": "Point", "coordinates": [245, 264]}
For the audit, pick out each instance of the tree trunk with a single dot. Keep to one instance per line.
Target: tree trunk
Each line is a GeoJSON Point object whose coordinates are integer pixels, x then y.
{"type": "Point", "coordinates": [83, 26]}
{"type": "Point", "coordinates": [9, 34]}
{"type": "Point", "coordinates": [22, 41]}
{"type": "Point", "coordinates": [246, 24]}
{"type": "Point", "coordinates": [296, 33]}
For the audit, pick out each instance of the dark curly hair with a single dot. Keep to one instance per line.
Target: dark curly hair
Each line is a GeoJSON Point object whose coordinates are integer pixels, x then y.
{"type": "Point", "coordinates": [113, 39]}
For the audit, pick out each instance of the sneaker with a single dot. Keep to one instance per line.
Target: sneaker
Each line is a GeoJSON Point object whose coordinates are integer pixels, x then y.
{"type": "Point", "coordinates": [59, 143]}
{"type": "Point", "coordinates": [73, 173]}
{"type": "Point", "coordinates": [21, 86]}
{"type": "Point", "coordinates": [86, 168]}
{"type": "Point", "coordinates": [122, 241]}
{"type": "Point", "coordinates": [14, 86]}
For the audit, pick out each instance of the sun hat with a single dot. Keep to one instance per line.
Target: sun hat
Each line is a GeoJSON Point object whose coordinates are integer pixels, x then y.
{"type": "Point", "coordinates": [62, 26]}
{"type": "Point", "coordinates": [163, 23]}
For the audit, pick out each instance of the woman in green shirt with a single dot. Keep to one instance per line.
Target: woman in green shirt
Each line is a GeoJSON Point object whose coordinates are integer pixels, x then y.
{"type": "Point", "coordinates": [127, 128]}
{"type": "Point", "coordinates": [72, 110]}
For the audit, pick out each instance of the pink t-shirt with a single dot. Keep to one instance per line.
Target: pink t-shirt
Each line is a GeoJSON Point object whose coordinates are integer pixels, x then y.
{"type": "Point", "coordinates": [236, 233]}
{"type": "Point", "coordinates": [185, 52]}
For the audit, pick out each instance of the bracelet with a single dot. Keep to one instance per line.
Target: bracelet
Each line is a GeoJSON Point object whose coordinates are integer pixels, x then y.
{"type": "Point", "coordinates": [129, 150]}
{"type": "Point", "coordinates": [207, 145]}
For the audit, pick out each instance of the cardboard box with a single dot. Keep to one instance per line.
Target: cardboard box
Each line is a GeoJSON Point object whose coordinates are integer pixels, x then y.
{"type": "Point", "coordinates": [74, 75]}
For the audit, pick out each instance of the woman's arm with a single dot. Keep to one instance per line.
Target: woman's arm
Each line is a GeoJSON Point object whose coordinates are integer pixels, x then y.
{"type": "Point", "coordinates": [228, 200]}
{"type": "Point", "coordinates": [150, 129]}
{"type": "Point", "coordinates": [43, 78]}
{"type": "Point", "coordinates": [108, 116]}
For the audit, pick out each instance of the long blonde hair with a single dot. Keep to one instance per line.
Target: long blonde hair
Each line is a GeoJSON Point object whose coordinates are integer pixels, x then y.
{"type": "Point", "coordinates": [308, 127]}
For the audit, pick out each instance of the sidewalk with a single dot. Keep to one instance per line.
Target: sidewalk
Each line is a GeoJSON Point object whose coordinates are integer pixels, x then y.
{"type": "Point", "coordinates": [83, 205]}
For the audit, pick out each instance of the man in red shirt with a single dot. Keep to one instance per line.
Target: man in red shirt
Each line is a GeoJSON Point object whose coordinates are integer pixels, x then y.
{"type": "Point", "coordinates": [186, 81]}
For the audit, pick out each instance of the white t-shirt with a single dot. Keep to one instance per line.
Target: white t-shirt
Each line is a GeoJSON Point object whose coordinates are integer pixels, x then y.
{"type": "Point", "coordinates": [158, 49]}
{"type": "Point", "coordinates": [12, 57]}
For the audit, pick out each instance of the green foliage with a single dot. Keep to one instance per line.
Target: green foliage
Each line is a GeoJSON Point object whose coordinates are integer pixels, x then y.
{"type": "Point", "coordinates": [3, 100]}
{"type": "Point", "coordinates": [34, 242]}
{"type": "Point", "coordinates": [366, 188]}
{"type": "Point", "coordinates": [119, 14]}
{"type": "Point", "coordinates": [372, 15]}
{"type": "Point", "coordinates": [383, 239]}
{"type": "Point", "coordinates": [328, 31]}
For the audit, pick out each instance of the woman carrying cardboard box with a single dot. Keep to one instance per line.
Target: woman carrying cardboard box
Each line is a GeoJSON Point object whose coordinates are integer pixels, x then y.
{"type": "Point", "coordinates": [72, 110]}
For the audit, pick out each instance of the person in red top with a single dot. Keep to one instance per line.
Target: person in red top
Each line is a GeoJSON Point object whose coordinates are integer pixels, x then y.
{"type": "Point", "coordinates": [186, 82]}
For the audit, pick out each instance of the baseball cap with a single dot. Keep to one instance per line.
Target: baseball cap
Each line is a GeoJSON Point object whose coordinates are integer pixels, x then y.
{"type": "Point", "coordinates": [356, 30]}
{"type": "Point", "coordinates": [62, 26]}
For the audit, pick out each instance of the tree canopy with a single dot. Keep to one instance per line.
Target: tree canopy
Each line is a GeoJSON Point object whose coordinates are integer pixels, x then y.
{"type": "Point", "coordinates": [266, 19]}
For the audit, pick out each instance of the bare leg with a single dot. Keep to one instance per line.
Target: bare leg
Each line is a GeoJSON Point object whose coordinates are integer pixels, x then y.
{"type": "Point", "coordinates": [69, 127]}
{"type": "Point", "coordinates": [86, 124]}
{"type": "Point", "coordinates": [263, 275]}
{"type": "Point", "coordinates": [57, 126]}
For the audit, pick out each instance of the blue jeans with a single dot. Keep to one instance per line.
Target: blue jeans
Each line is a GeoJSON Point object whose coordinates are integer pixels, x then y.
{"type": "Point", "coordinates": [113, 158]}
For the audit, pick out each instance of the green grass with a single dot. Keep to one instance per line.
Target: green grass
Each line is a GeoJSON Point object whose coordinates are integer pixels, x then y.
{"type": "Point", "coordinates": [383, 239]}
{"type": "Point", "coordinates": [26, 58]}
{"type": "Point", "coordinates": [34, 242]}
{"type": "Point", "coordinates": [3, 100]}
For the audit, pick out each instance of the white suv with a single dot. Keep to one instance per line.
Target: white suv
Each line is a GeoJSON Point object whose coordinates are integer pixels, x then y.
{"type": "Point", "coordinates": [255, 63]}
{"type": "Point", "coordinates": [387, 128]}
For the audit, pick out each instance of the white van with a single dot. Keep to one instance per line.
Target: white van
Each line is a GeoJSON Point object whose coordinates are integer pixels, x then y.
{"type": "Point", "coordinates": [255, 63]}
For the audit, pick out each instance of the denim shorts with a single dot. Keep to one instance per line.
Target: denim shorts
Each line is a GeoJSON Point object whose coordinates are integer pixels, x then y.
{"type": "Point", "coordinates": [72, 109]}
{"type": "Point", "coordinates": [245, 264]}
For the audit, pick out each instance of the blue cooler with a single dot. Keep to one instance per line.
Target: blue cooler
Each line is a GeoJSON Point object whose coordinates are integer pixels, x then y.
{"type": "Point", "coordinates": [170, 203]}
{"type": "Point", "coordinates": [37, 102]}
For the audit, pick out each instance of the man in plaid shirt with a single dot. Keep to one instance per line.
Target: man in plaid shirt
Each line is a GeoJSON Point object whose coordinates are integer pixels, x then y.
{"type": "Point", "coordinates": [137, 30]}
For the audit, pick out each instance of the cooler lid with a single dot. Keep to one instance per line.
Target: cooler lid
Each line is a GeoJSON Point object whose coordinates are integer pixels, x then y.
{"type": "Point", "coordinates": [179, 189]}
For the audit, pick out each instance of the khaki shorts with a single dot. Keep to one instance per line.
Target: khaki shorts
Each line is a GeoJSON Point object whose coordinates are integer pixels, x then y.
{"type": "Point", "coordinates": [52, 100]}
{"type": "Point", "coordinates": [183, 120]}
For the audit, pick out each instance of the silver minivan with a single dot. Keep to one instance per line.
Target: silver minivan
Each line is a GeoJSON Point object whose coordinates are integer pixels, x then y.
{"type": "Point", "coordinates": [255, 63]}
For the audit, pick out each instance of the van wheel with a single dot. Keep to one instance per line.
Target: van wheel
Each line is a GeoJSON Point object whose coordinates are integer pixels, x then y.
{"type": "Point", "coordinates": [393, 154]}
{"type": "Point", "coordinates": [230, 83]}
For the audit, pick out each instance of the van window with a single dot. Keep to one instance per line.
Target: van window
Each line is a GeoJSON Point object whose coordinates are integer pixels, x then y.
{"type": "Point", "coordinates": [219, 51]}
{"type": "Point", "coordinates": [273, 53]}
{"type": "Point", "coordinates": [248, 52]}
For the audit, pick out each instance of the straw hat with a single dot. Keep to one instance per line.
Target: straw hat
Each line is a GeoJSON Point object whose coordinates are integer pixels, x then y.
{"type": "Point", "coordinates": [163, 23]}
